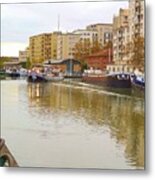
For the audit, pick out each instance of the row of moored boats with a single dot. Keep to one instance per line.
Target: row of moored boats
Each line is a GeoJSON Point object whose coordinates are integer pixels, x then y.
{"type": "Point", "coordinates": [115, 80]}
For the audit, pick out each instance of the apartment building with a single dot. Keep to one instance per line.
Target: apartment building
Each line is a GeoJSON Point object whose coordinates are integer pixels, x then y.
{"type": "Point", "coordinates": [54, 44]}
{"type": "Point", "coordinates": [104, 32]}
{"type": "Point", "coordinates": [66, 45]}
{"type": "Point", "coordinates": [87, 35]}
{"type": "Point", "coordinates": [136, 18]}
{"type": "Point", "coordinates": [23, 55]}
{"type": "Point", "coordinates": [40, 47]}
{"type": "Point", "coordinates": [128, 25]}
{"type": "Point", "coordinates": [120, 35]}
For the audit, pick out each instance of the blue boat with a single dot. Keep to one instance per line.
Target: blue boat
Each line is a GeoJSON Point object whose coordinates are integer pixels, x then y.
{"type": "Point", "coordinates": [36, 77]}
{"type": "Point", "coordinates": [138, 82]}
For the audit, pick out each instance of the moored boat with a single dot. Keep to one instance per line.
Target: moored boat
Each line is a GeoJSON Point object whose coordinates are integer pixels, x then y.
{"type": "Point", "coordinates": [2, 74]}
{"type": "Point", "coordinates": [12, 73]}
{"type": "Point", "coordinates": [52, 77]}
{"type": "Point", "coordinates": [36, 77]}
{"type": "Point", "coordinates": [115, 80]}
{"type": "Point", "coordinates": [23, 72]}
{"type": "Point", "coordinates": [138, 82]}
{"type": "Point", "coordinates": [6, 157]}
{"type": "Point", "coordinates": [40, 74]}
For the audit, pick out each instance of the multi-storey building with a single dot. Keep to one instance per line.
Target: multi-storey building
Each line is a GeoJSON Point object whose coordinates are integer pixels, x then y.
{"type": "Point", "coordinates": [136, 18]}
{"type": "Point", "coordinates": [24, 55]}
{"type": "Point", "coordinates": [54, 44]}
{"type": "Point", "coordinates": [127, 26]}
{"type": "Point", "coordinates": [104, 32]}
{"type": "Point", "coordinates": [40, 47]}
{"type": "Point", "coordinates": [87, 35]}
{"type": "Point", "coordinates": [66, 45]}
{"type": "Point", "coordinates": [120, 35]}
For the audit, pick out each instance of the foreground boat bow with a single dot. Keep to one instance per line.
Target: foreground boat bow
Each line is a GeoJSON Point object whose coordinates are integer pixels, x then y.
{"type": "Point", "coordinates": [6, 158]}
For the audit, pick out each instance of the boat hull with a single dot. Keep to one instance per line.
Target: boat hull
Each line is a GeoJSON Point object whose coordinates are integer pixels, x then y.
{"type": "Point", "coordinates": [108, 81]}
{"type": "Point", "coordinates": [36, 78]}
{"type": "Point", "coordinates": [13, 74]}
{"type": "Point", "coordinates": [54, 79]}
{"type": "Point", "coordinates": [138, 87]}
{"type": "Point", "coordinates": [6, 156]}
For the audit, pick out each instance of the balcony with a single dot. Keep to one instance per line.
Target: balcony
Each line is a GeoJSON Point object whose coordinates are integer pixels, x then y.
{"type": "Point", "coordinates": [137, 4]}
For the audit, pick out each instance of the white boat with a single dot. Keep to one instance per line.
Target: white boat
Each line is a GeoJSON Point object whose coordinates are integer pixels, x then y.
{"type": "Point", "coordinates": [23, 72]}
{"type": "Point", "coordinates": [53, 77]}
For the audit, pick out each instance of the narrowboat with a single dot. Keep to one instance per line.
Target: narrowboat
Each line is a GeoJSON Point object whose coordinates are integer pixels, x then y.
{"type": "Point", "coordinates": [12, 73]}
{"type": "Point", "coordinates": [114, 80]}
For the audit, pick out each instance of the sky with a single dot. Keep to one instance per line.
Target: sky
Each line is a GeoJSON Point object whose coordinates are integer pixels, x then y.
{"type": "Point", "coordinates": [20, 21]}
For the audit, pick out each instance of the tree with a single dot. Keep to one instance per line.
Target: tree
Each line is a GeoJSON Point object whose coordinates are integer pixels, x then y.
{"type": "Point", "coordinates": [137, 57]}
{"type": "Point", "coordinates": [2, 60]}
{"type": "Point", "coordinates": [96, 47]}
{"type": "Point", "coordinates": [28, 63]}
{"type": "Point", "coordinates": [108, 45]}
{"type": "Point", "coordinates": [85, 48]}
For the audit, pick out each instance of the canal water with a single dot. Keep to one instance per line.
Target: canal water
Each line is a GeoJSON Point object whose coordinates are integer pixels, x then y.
{"type": "Point", "coordinates": [67, 125]}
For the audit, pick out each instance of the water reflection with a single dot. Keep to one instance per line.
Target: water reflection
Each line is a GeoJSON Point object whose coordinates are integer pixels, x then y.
{"type": "Point", "coordinates": [124, 116]}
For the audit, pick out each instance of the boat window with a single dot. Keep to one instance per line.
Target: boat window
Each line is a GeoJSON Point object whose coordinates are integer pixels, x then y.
{"type": "Point", "coordinates": [118, 76]}
{"type": "Point", "coordinates": [123, 76]}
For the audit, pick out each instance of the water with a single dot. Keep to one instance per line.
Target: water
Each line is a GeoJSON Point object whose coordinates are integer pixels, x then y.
{"type": "Point", "coordinates": [73, 126]}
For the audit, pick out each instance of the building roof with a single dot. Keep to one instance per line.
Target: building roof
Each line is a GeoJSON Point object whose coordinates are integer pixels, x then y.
{"type": "Point", "coordinates": [61, 61]}
{"type": "Point", "coordinates": [11, 63]}
{"type": "Point", "coordinates": [41, 34]}
{"type": "Point", "coordinates": [104, 24]}
{"type": "Point", "coordinates": [83, 30]}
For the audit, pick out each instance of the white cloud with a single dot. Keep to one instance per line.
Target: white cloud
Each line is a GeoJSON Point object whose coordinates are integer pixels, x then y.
{"type": "Point", "coordinates": [20, 21]}
{"type": "Point", "coordinates": [12, 48]}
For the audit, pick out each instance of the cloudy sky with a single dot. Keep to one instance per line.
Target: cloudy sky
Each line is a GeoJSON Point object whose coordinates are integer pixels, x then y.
{"type": "Point", "coordinates": [20, 21]}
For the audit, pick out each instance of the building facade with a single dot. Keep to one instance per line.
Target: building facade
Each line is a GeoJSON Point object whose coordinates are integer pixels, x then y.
{"type": "Point", "coordinates": [136, 18]}
{"type": "Point", "coordinates": [66, 45]}
{"type": "Point", "coordinates": [100, 59]}
{"type": "Point", "coordinates": [120, 35]}
{"type": "Point", "coordinates": [40, 47]}
{"type": "Point", "coordinates": [24, 55]}
{"type": "Point", "coordinates": [87, 35]}
{"type": "Point", "coordinates": [54, 44]}
{"type": "Point", "coordinates": [67, 66]}
{"type": "Point", "coordinates": [127, 26]}
{"type": "Point", "coordinates": [104, 32]}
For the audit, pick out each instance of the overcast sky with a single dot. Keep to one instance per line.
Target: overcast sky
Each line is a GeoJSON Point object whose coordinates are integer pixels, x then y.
{"type": "Point", "coordinates": [20, 21]}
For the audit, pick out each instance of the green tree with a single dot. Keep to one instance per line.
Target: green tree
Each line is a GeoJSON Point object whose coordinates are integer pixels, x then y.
{"type": "Point", "coordinates": [1, 64]}
{"type": "Point", "coordinates": [28, 63]}
{"type": "Point", "coordinates": [2, 60]}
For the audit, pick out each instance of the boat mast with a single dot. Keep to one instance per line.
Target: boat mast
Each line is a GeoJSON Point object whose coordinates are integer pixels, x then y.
{"type": "Point", "coordinates": [58, 22]}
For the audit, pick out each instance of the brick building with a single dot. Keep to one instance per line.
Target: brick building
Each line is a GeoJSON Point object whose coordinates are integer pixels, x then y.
{"type": "Point", "coordinates": [100, 59]}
